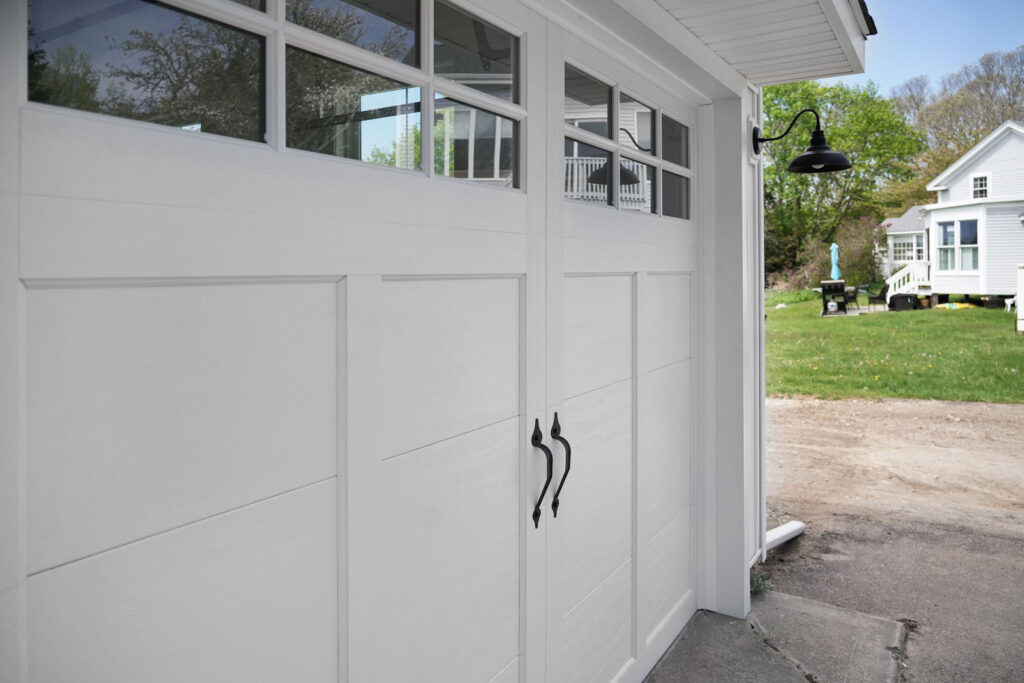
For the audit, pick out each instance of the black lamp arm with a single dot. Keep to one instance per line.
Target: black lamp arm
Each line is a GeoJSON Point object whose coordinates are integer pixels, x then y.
{"type": "Point", "coordinates": [637, 144]}
{"type": "Point", "coordinates": [817, 125]}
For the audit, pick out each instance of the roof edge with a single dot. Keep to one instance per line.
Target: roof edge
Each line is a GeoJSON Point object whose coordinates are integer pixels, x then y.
{"type": "Point", "coordinates": [938, 182]}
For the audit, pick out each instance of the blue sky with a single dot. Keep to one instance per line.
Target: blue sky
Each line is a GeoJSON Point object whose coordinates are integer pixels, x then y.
{"type": "Point", "coordinates": [935, 38]}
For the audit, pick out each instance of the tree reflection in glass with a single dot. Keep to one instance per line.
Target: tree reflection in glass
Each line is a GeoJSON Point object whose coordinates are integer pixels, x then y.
{"type": "Point", "coordinates": [144, 61]}
{"type": "Point", "coordinates": [337, 109]}
{"type": "Point", "coordinates": [388, 28]}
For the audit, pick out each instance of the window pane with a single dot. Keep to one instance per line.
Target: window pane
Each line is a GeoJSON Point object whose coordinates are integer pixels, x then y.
{"type": "Point", "coordinates": [586, 173]}
{"type": "Point", "coordinates": [636, 186]}
{"type": "Point", "coordinates": [675, 138]}
{"type": "Point", "coordinates": [969, 258]}
{"type": "Point", "coordinates": [587, 101]}
{"type": "Point", "coordinates": [474, 53]}
{"type": "Point", "coordinates": [946, 258]}
{"type": "Point", "coordinates": [638, 120]}
{"type": "Point", "coordinates": [946, 234]}
{"type": "Point", "coordinates": [969, 232]}
{"type": "Point", "coordinates": [261, 5]}
{"type": "Point", "coordinates": [337, 109]}
{"type": "Point", "coordinates": [675, 195]}
{"type": "Point", "coordinates": [474, 144]}
{"type": "Point", "coordinates": [147, 62]}
{"type": "Point", "coordinates": [388, 28]}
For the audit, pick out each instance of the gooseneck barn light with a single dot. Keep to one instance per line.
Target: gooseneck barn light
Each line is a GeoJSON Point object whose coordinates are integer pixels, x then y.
{"type": "Point", "coordinates": [817, 158]}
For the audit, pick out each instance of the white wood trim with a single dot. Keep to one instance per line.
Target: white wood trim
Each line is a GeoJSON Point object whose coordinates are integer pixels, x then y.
{"type": "Point", "coordinates": [973, 153]}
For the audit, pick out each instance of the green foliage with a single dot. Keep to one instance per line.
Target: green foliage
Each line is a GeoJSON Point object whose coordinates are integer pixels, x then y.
{"type": "Point", "coordinates": [760, 583]}
{"type": "Point", "coordinates": [956, 355]}
{"type": "Point", "coordinates": [858, 240]}
{"type": "Point", "coordinates": [857, 121]}
{"type": "Point", "coordinates": [387, 158]}
{"type": "Point", "coordinates": [792, 296]}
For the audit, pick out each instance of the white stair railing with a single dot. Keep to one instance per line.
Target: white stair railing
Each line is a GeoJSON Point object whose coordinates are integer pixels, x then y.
{"type": "Point", "coordinates": [908, 279]}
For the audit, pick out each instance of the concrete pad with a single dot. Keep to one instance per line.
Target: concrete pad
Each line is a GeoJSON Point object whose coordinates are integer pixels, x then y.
{"type": "Point", "coordinates": [829, 642]}
{"type": "Point", "coordinates": [717, 648]}
{"type": "Point", "coordinates": [785, 638]}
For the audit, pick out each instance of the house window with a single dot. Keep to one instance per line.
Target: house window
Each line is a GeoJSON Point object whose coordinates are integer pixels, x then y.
{"type": "Point", "coordinates": [391, 31]}
{"type": "Point", "coordinates": [143, 60]}
{"type": "Point", "coordinates": [648, 151]}
{"type": "Point", "coordinates": [472, 143]}
{"type": "Point", "coordinates": [474, 53]}
{"type": "Point", "coordinates": [958, 245]}
{"type": "Point", "coordinates": [947, 246]}
{"type": "Point", "coordinates": [903, 249]}
{"type": "Point", "coordinates": [969, 245]}
{"type": "Point", "coordinates": [979, 186]}
{"type": "Point", "coordinates": [919, 242]}
{"type": "Point", "coordinates": [148, 62]}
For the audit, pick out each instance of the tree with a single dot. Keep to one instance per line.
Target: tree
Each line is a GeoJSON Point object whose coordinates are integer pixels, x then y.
{"type": "Point", "coordinates": [865, 126]}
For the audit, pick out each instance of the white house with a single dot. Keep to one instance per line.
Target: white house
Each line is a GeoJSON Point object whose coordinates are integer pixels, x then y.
{"type": "Point", "coordinates": [292, 291]}
{"type": "Point", "coordinates": [975, 231]}
{"type": "Point", "coordinates": [905, 240]}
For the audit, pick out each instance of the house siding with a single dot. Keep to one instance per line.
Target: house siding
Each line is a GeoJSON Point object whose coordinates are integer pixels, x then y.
{"type": "Point", "coordinates": [1003, 165]}
{"type": "Point", "coordinates": [1004, 248]}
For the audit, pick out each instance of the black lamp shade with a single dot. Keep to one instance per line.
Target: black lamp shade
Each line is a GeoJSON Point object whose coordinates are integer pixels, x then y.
{"type": "Point", "coordinates": [818, 157]}
{"type": "Point", "coordinates": [626, 176]}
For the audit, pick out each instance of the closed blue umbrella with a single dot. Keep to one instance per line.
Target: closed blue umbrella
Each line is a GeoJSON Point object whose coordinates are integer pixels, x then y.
{"type": "Point", "coordinates": [835, 261]}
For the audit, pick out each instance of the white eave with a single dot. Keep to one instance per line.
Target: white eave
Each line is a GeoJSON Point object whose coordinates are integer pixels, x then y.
{"type": "Point", "coordinates": [765, 41]}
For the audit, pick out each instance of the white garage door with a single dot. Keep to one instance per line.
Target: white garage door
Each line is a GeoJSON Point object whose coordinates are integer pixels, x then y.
{"type": "Point", "coordinates": [279, 403]}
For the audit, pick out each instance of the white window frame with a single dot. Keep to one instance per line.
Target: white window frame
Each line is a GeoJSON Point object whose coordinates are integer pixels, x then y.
{"type": "Point", "coordinates": [279, 33]}
{"type": "Point", "coordinates": [988, 185]}
{"type": "Point", "coordinates": [904, 248]}
{"type": "Point", "coordinates": [621, 152]}
{"type": "Point", "coordinates": [957, 247]}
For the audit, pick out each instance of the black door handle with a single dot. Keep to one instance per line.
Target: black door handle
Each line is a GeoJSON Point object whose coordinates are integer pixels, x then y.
{"type": "Point", "coordinates": [556, 433]}
{"type": "Point", "coordinates": [536, 441]}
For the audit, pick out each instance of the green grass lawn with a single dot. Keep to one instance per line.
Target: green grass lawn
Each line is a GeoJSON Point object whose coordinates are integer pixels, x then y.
{"type": "Point", "coordinates": [958, 355]}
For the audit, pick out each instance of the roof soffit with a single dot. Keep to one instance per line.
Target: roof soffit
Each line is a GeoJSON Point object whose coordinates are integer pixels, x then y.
{"type": "Point", "coordinates": [766, 41]}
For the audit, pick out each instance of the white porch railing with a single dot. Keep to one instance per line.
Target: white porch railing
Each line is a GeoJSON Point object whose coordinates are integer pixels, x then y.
{"type": "Point", "coordinates": [578, 169]}
{"type": "Point", "coordinates": [909, 279]}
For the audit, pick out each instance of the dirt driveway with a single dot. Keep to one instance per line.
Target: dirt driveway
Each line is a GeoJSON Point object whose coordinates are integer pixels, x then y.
{"type": "Point", "coordinates": [915, 511]}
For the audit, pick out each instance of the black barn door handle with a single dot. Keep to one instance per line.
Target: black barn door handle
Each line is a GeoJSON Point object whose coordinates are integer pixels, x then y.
{"type": "Point", "coordinates": [556, 433]}
{"type": "Point", "coordinates": [536, 441]}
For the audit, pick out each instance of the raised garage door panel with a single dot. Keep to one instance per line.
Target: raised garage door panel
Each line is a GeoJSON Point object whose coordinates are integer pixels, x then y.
{"type": "Point", "coordinates": [249, 595]}
{"type": "Point", "coordinates": [447, 513]}
{"type": "Point", "coordinates": [153, 407]}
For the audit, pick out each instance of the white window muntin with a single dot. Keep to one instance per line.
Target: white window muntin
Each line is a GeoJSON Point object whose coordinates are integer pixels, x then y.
{"type": "Point", "coordinates": [950, 247]}
{"type": "Point", "coordinates": [619, 149]}
{"type": "Point", "coordinates": [280, 33]}
{"type": "Point", "coordinates": [981, 186]}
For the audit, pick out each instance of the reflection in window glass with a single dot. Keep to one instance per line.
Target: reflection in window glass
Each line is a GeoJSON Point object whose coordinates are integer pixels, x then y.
{"type": "Point", "coordinates": [474, 53]}
{"type": "Point", "coordinates": [675, 142]}
{"type": "Point", "coordinates": [635, 120]}
{"type": "Point", "coordinates": [587, 102]}
{"type": "Point", "coordinates": [474, 144]}
{"type": "Point", "coordinates": [636, 186]}
{"type": "Point", "coordinates": [388, 28]}
{"type": "Point", "coordinates": [261, 5]}
{"type": "Point", "coordinates": [586, 173]}
{"type": "Point", "coordinates": [337, 109]}
{"type": "Point", "coordinates": [148, 62]}
{"type": "Point", "coordinates": [675, 195]}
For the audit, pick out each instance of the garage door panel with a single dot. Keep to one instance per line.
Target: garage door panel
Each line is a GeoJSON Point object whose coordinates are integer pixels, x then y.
{"type": "Point", "coordinates": [664, 445]}
{"type": "Point", "coordinates": [449, 572]}
{"type": "Point", "coordinates": [249, 595]}
{"type": "Point", "coordinates": [598, 336]}
{"type": "Point", "coordinates": [596, 635]}
{"type": "Point", "coordinates": [664, 574]}
{"type": "Point", "coordinates": [149, 407]}
{"type": "Point", "coordinates": [668, 334]}
{"type": "Point", "coordinates": [449, 358]}
{"type": "Point", "coordinates": [592, 533]}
